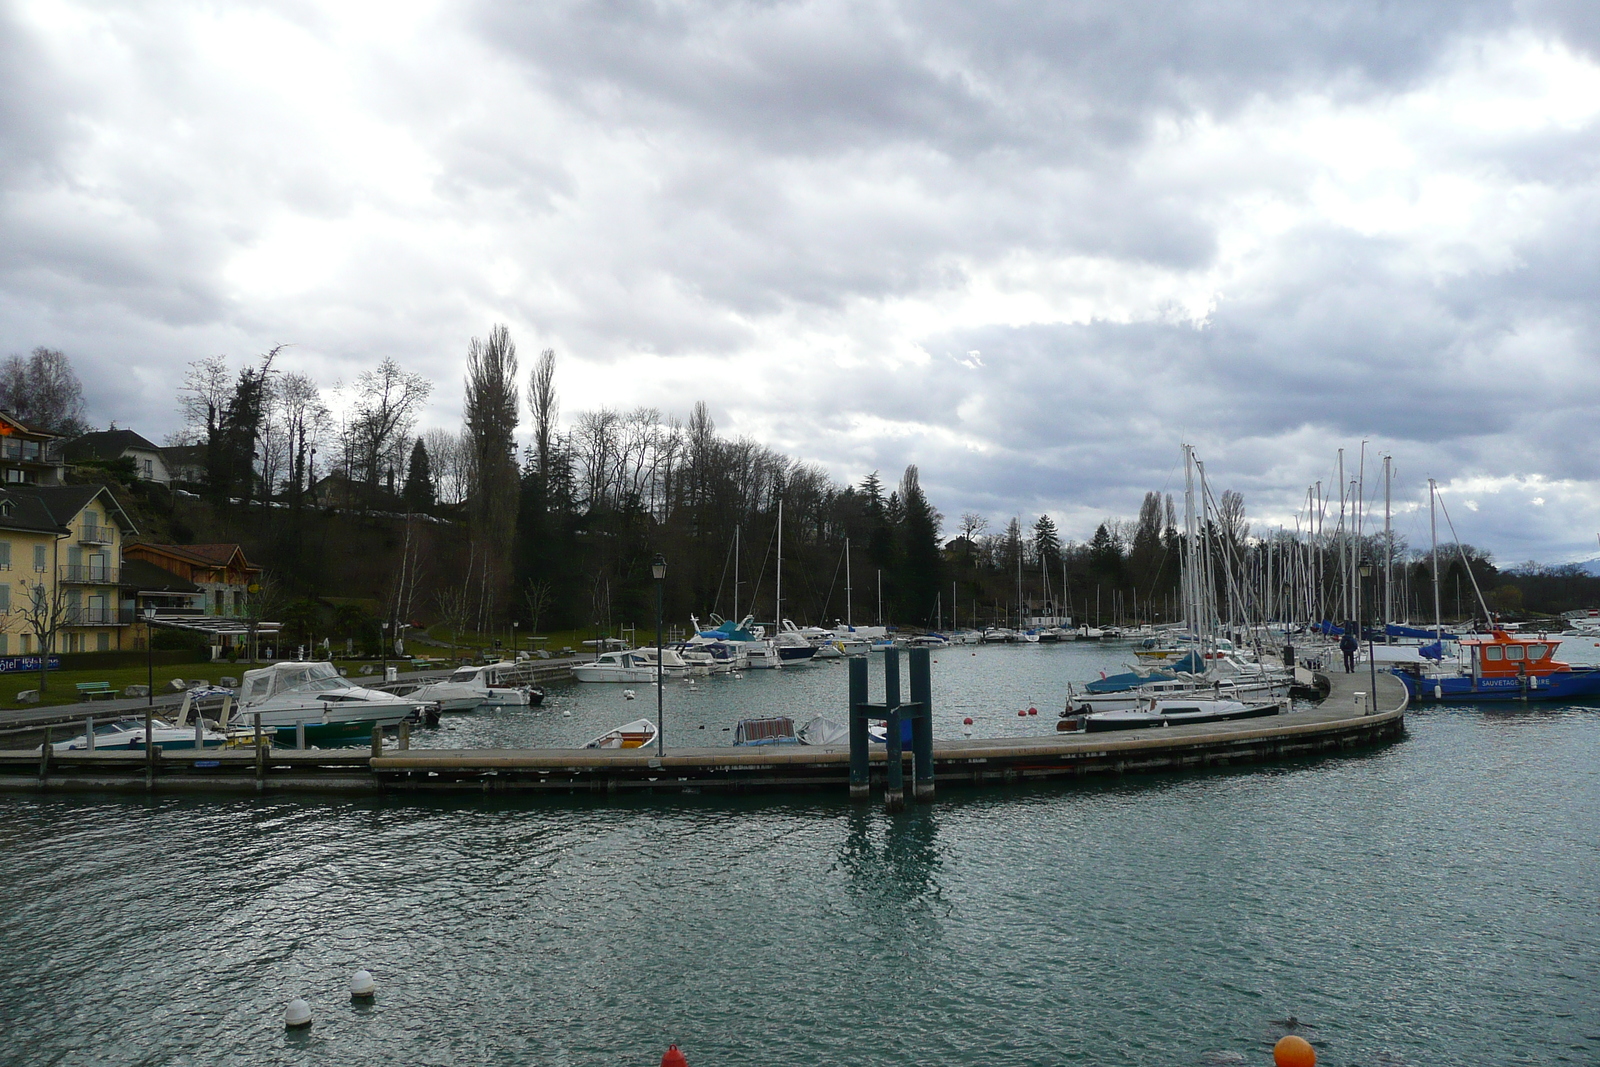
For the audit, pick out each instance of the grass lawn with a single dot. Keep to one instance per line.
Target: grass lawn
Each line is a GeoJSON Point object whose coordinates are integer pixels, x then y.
{"type": "Point", "coordinates": [62, 683]}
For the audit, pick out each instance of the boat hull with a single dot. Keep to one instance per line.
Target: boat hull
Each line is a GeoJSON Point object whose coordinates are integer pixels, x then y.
{"type": "Point", "coordinates": [1580, 683]}
{"type": "Point", "coordinates": [1103, 722]}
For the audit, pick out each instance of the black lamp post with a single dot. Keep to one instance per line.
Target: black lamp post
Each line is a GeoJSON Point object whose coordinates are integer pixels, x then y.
{"type": "Point", "coordinates": [658, 570]}
{"type": "Point", "coordinates": [514, 640]}
{"type": "Point", "coordinates": [149, 653]}
{"type": "Point", "coordinates": [385, 649]}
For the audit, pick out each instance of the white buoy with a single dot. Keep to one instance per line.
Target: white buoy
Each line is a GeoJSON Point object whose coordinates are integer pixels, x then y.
{"type": "Point", "coordinates": [628, 694]}
{"type": "Point", "coordinates": [566, 714]}
{"type": "Point", "coordinates": [297, 1015]}
{"type": "Point", "coordinates": [362, 985]}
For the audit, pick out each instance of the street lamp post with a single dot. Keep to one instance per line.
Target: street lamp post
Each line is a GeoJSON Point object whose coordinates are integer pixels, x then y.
{"type": "Point", "coordinates": [386, 650]}
{"type": "Point", "coordinates": [513, 640]}
{"type": "Point", "coordinates": [658, 569]}
{"type": "Point", "coordinates": [150, 653]}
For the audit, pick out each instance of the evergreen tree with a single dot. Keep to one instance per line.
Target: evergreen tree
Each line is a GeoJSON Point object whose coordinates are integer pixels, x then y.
{"type": "Point", "coordinates": [920, 577]}
{"type": "Point", "coordinates": [1047, 544]}
{"type": "Point", "coordinates": [1105, 555]}
{"type": "Point", "coordinates": [419, 494]}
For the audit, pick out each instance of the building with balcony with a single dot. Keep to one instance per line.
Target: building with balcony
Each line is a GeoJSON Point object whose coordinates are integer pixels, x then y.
{"type": "Point", "coordinates": [28, 457]}
{"type": "Point", "coordinates": [149, 461]}
{"type": "Point", "coordinates": [60, 570]}
{"type": "Point", "coordinates": [220, 571]}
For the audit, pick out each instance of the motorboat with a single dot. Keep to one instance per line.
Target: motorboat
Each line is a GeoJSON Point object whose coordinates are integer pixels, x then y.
{"type": "Point", "coordinates": [791, 647]}
{"type": "Point", "coordinates": [773, 730]}
{"type": "Point", "coordinates": [748, 639]}
{"type": "Point", "coordinates": [288, 695]}
{"type": "Point", "coordinates": [123, 734]}
{"type": "Point", "coordinates": [1501, 666]}
{"type": "Point", "coordinates": [1177, 712]}
{"type": "Point", "coordinates": [494, 685]}
{"type": "Point", "coordinates": [628, 666]}
{"type": "Point", "coordinates": [999, 635]}
{"type": "Point", "coordinates": [636, 734]}
{"type": "Point", "coordinates": [824, 643]}
{"type": "Point", "coordinates": [672, 664]}
{"type": "Point", "coordinates": [928, 640]}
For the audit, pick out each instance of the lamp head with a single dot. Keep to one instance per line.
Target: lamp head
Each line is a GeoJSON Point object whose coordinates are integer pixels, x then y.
{"type": "Point", "coordinates": [658, 568]}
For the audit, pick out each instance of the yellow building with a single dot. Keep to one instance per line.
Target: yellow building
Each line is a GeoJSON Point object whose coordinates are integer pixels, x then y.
{"type": "Point", "coordinates": [60, 563]}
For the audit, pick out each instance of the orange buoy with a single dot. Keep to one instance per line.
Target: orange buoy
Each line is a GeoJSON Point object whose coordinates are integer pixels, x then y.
{"type": "Point", "coordinates": [1292, 1050]}
{"type": "Point", "coordinates": [673, 1058]}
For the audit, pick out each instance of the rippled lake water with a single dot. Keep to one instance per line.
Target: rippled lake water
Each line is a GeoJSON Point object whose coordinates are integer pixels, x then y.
{"type": "Point", "coordinates": [1435, 901]}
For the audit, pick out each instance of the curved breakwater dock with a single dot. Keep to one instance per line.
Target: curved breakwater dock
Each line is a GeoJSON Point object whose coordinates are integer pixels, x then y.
{"type": "Point", "coordinates": [1344, 722]}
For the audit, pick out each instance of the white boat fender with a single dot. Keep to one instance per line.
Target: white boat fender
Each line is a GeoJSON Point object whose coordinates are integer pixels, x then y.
{"type": "Point", "coordinates": [362, 987]}
{"type": "Point", "coordinates": [628, 694]}
{"type": "Point", "coordinates": [297, 1016]}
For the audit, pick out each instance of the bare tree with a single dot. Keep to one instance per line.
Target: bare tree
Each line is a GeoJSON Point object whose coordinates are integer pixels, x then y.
{"type": "Point", "coordinates": [44, 612]}
{"type": "Point", "coordinates": [43, 392]}
{"type": "Point", "coordinates": [455, 609]}
{"type": "Point", "coordinates": [386, 407]}
{"type": "Point", "coordinates": [491, 418]}
{"type": "Point", "coordinates": [537, 596]}
{"type": "Point", "coordinates": [265, 598]}
{"type": "Point", "coordinates": [447, 464]}
{"type": "Point", "coordinates": [544, 408]}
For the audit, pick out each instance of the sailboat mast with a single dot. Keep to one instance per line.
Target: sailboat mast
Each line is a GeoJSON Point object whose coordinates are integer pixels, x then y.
{"type": "Point", "coordinates": [849, 618]}
{"type": "Point", "coordinates": [1388, 549]}
{"type": "Point", "coordinates": [736, 616]}
{"type": "Point", "coordinates": [1433, 532]}
{"type": "Point", "coordinates": [777, 600]}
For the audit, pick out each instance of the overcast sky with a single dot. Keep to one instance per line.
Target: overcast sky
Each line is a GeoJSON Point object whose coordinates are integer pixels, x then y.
{"type": "Point", "coordinates": [1031, 247]}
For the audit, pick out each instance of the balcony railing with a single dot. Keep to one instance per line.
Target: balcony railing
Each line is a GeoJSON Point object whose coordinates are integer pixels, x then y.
{"type": "Point", "coordinates": [99, 616]}
{"type": "Point", "coordinates": [97, 535]}
{"type": "Point", "coordinates": [89, 574]}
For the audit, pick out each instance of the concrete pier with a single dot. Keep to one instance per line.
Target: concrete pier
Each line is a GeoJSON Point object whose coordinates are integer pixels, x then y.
{"type": "Point", "coordinates": [1343, 723]}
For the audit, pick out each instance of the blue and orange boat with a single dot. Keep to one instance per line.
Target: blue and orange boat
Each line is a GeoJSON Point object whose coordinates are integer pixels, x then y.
{"type": "Point", "coordinates": [1503, 667]}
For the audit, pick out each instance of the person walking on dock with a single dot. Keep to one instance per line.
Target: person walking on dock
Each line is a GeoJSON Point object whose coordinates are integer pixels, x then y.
{"type": "Point", "coordinates": [1348, 645]}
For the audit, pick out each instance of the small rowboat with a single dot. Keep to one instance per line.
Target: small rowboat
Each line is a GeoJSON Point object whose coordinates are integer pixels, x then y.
{"type": "Point", "coordinates": [636, 734]}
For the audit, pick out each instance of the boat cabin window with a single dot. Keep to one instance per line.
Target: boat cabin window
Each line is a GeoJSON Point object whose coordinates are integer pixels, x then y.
{"type": "Point", "coordinates": [1493, 653]}
{"type": "Point", "coordinates": [1514, 652]}
{"type": "Point", "coordinates": [1537, 651]}
{"type": "Point", "coordinates": [256, 688]}
{"type": "Point", "coordinates": [466, 674]}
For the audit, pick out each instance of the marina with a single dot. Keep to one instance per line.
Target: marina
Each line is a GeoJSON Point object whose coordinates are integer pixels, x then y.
{"type": "Point", "coordinates": [1030, 751]}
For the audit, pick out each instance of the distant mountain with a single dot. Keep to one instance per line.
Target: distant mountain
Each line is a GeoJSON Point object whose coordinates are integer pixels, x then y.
{"type": "Point", "coordinates": [1591, 566]}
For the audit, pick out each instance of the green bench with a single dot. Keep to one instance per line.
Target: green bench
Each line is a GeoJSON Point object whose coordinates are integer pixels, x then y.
{"type": "Point", "coordinates": [95, 690]}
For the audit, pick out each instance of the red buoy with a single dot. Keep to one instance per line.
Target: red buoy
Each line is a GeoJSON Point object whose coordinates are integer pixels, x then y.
{"type": "Point", "coordinates": [1021, 714]}
{"type": "Point", "coordinates": [673, 1058]}
{"type": "Point", "coordinates": [967, 721]}
{"type": "Point", "coordinates": [1033, 711]}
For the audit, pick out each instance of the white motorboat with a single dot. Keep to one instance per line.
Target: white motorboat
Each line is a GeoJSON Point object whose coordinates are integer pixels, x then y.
{"type": "Point", "coordinates": [330, 706]}
{"type": "Point", "coordinates": [495, 685]}
{"type": "Point", "coordinates": [999, 635]}
{"type": "Point", "coordinates": [636, 734]}
{"type": "Point", "coordinates": [822, 641]}
{"type": "Point", "coordinates": [119, 734]}
{"type": "Point", "coordinates": [1177, 712]}
{"type": "Point", "coordinates": [626, 666]}
{"type": "Point", "coordinates": [672, 664]}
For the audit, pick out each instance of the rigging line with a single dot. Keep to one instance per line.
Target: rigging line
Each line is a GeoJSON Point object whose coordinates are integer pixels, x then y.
{"type": "Point", "coordinates": [726, 560]}
{"type": "Point", "coordinates": [1488, 618]}
{"type": "Point", "coordinates": [837, 567]}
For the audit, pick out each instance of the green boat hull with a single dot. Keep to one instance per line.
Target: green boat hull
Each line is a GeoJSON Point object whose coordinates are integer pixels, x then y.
{"type": "Point", "coordinates": [320, 732]}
